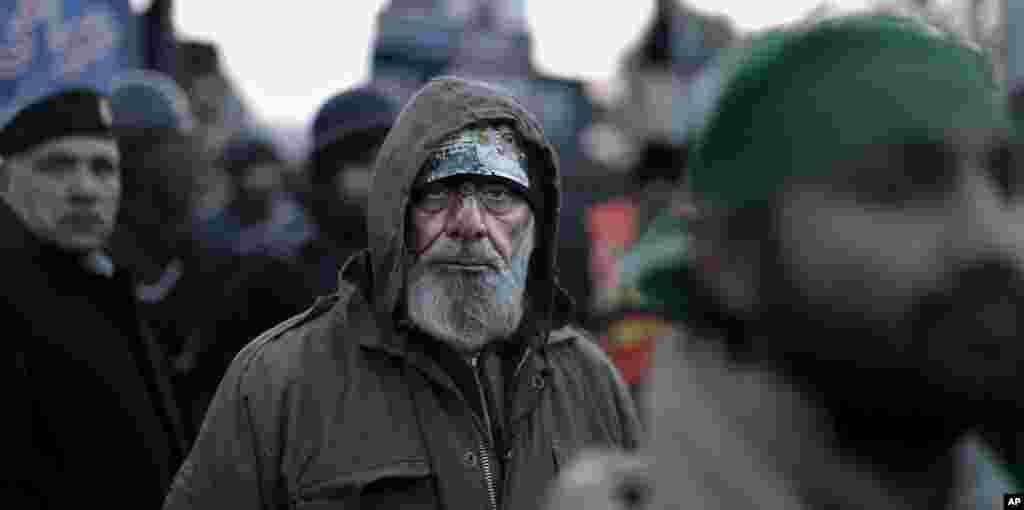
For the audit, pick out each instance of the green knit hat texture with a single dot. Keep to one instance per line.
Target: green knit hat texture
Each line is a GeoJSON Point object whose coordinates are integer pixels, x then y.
{"type": "Point", "coordinates": [797, 102]}
{"type": "Point", "coordinates": [800, 102]}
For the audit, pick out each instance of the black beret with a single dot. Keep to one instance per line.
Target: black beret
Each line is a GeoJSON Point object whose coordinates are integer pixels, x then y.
{"type": "Point", "coordinates": [67, 113]}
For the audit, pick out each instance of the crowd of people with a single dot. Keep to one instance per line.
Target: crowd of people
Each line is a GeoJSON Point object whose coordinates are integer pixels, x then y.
{"type": "Point", "coordinates": [832, 270]}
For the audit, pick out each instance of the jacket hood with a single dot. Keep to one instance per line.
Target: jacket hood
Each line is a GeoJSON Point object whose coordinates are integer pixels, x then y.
{"type": "Point", "coordinates": [443, 106]}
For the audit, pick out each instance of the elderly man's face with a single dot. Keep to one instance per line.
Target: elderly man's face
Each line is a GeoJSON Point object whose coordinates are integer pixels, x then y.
{"type": "Point", "coordinates": [471, 241]}
{"type": "Point", "coordinates": [916, 252]}
{"type": "Point", "coordinates": [67, 190]}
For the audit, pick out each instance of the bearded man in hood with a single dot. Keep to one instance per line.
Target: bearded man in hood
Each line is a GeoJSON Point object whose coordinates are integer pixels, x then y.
{"type": "Point", "coordinates": [443, 373]}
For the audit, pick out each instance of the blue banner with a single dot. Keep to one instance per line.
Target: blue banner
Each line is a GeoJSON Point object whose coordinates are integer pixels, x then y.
{"type": "Point", "coordinates": [47, 44]}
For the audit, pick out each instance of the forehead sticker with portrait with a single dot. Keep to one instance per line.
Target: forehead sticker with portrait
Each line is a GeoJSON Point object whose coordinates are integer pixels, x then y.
{"type": "Point", "coordinates": [485, 150]}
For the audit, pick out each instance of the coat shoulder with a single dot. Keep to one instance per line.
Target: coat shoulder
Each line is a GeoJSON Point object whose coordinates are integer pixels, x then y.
{"type": "Point", "coordinates": [577, 344]}
{"type": "Point", "coordinates": [279, 352]}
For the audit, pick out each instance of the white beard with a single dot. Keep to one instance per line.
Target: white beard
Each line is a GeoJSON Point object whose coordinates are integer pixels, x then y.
{"type": "Point", "coordinates": [468, 309]}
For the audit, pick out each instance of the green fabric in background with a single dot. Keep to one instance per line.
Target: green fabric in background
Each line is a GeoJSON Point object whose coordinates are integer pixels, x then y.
{"type": "Point", "coordinates": [799, 103]}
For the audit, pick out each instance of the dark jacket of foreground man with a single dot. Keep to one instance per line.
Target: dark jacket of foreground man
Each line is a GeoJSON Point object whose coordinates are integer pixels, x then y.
{"type": "Point", "coordinates": [89, 415]}
{"type": "Point", "coordinates": [346, 406]}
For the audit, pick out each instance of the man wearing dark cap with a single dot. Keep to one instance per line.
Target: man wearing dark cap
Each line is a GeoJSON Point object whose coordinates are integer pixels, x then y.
{"type": "Point", "coordinates": [89, 406]}
{"type": "Point", "coordinates": [851, 288]}
{"type": "Point", "coordinates": [443, 373]}
{"type": "Point", "coordinates": [176, 281]}
{"type": "Point", "coordinates": [347, 131]}
{"type": "Point", "coordinates": [251, 253]}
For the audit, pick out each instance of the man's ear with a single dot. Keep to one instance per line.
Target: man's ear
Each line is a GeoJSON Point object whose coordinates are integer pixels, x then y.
{"type": "Point", "coordinates": [726, 257]}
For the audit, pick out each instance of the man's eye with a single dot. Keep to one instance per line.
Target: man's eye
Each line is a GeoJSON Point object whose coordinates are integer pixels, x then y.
{"type": "Point", "coordinates": [905, 173]}
{"type": "Point", "coordinates": [105, 168]}
{"type": "Point", "coordinates": [499, 198]}
{"type": "Point", "coordinates": [495, 193]}
{"type": "Point", "coordinates": [433, 200]}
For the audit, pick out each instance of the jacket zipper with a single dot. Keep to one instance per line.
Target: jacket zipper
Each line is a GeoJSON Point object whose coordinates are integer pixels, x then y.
{"type": "Point", "coordinates": [485, 445]}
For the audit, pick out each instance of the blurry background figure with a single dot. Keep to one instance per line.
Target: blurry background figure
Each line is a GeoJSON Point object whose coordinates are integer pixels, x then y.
{"type": "Point", "coordinates": [347, 131]}
{"type": "Point", "coordinates": [220, 115]}
{"type": "Point", "coordinates": [176, 278]}
{"type": "Point", "coordinates": [251, 253]}
{"type": "Point", "coordinates": [153, 121]}
{"type": "Point", "coordinates": [671, 81]}
{"type": "Point", "coordinates": [261, 215]}
{"type": "Point", "coordinates": [628, 331]}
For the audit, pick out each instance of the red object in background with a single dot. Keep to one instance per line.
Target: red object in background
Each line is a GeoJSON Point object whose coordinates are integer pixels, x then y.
{"type": "Point", "coordinates": [612, 228]}
{"type": "Point", "coordinates": [629, 342]}
{"type": "Point", "coordinates": [630, 338]}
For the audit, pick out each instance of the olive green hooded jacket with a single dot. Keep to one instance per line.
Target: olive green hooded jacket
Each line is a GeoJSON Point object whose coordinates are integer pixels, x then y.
{"type": "Point", "coordinates": [344, 406]}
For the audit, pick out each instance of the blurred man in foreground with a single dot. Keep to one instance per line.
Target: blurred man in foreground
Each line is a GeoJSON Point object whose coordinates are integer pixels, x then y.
{"type": "Point", "coordinates": [88, 406]}
{"type": "Point", "coordinates": [853, 283]}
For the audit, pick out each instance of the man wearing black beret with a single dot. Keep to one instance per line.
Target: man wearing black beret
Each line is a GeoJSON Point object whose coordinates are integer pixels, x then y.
{"type": "Point", "coordinates": [87, 404]}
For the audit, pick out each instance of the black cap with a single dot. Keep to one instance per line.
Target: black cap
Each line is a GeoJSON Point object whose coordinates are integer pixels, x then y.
{"type": "Point", "coordinates": [357, 110]}
{"type": "Point", "coordinates": [72, 112]}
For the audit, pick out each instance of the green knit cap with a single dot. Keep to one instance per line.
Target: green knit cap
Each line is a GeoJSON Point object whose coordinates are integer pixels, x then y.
{"type": "Point", "coordinates": [798, 102]}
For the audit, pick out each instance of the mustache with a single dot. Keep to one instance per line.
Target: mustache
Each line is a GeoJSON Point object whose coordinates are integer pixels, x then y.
{"type": "Point", "coordinates": [447, 251]}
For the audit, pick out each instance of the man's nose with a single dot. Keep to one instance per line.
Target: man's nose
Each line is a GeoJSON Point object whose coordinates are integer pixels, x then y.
{"type": "Point", "coordinates": [466, 221]}
{"type": "Point", "coordinates": [85, 185]}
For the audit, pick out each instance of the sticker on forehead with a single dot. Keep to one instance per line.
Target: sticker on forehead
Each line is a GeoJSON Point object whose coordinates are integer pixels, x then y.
{"type": "Point", "coordinates": [489, 151]}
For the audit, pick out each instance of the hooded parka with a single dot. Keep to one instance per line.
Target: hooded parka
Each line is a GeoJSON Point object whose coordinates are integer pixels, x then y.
{"type": "Point", "coordinates": [349, 406]}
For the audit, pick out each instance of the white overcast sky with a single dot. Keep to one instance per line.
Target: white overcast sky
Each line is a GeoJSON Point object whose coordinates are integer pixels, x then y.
{"type": "Point", "coordinates": [287, 57]}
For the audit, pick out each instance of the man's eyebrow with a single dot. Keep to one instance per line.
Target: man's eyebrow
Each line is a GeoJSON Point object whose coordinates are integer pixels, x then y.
{"type": "Point", "coordinates": [59, 156]}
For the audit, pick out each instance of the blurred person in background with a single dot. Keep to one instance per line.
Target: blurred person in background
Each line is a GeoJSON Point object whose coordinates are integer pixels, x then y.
{"type": "Point", "coordinates": [261, 216]}
{"type": "Point", "coordinates": [256, 273]}
{"type": "Point", "coordinates": [250, 294]}
{"type": "Point", "coordinates": [347, 131]}
{"type": "Point", "coordinates": [628, 332]}
{"type": "Point", "coordinates": [671, 78]}
{"type": "Point", "coordinates": [176, 279]}
{"type": "Point", "coordinates": [443, 373]}
{"type": "Point", "coordinates": [850, 289]}
{"type": "Point", "coordinates": [85, 385]}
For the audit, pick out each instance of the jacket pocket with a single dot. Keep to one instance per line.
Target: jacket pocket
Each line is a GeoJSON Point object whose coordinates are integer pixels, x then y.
{"type": "Point", "coordinates": [405, 484]}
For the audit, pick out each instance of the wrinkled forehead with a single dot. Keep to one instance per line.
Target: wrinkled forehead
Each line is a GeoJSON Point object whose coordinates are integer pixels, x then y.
{"type": "Point", "coordinates": [489, 150]}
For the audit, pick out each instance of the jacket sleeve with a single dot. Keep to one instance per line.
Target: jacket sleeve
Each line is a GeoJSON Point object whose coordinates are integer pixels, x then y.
{"type": "Point", "coordinates": [621, 410]}
{"type": "Point", "coordinates": [227, 466]}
